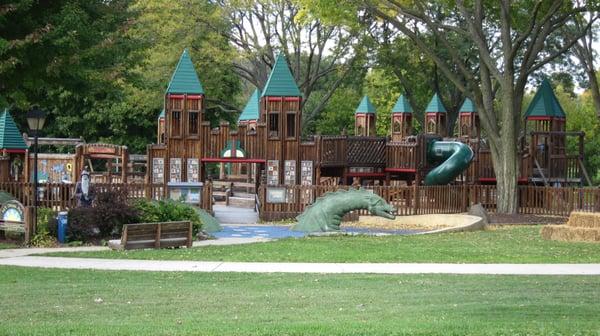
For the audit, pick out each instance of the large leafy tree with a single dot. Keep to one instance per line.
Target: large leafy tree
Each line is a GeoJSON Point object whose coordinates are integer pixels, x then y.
{"type": "Point", "coordinates": [510, 38]}
{"type": "Point", "coordinates": [167, 28]}
{"type": "Point", "coordinates": [69, 57]}
{"type": "Point", "coordinates": [316, 52]}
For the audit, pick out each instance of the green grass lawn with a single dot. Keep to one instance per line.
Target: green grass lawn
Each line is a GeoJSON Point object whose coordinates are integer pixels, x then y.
{"type": "Point", "coordinates": [7, 245]}
{"type": "Point", "coordinates": [503, 245]}
{"type": "Point", "coordinates": [62, 302]}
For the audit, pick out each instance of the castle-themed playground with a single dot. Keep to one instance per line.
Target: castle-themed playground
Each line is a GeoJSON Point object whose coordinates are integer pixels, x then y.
{"type": "Point", "coordinates": [432, 172]}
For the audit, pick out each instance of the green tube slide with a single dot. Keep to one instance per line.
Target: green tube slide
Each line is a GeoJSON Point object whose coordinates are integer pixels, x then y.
{"type": "Point", "coordinates": [450, 157]}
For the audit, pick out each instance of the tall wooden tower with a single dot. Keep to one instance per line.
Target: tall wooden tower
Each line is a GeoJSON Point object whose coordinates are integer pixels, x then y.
{"type": "Point", "coordinates": [184, 110]}
{"type": "Point", "coordinates": [468, 122]}
{"type": "Point", "coordinates": [280, 110]}
{"type": "Point", "coordinates": [402, 114]}
{"type": "Point", "coordinates": [435, 117]}
{"type": "Point", "coordinates": [364, 116]}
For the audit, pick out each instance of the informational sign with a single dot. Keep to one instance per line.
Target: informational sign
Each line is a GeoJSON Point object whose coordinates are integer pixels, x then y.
{"type": "Point", "coordinates": [306, 174]}
{"type": "Point", "coordinates": [276, 195]}
{"type": "Point", "coordinates": [12, 216]}
{"type": "Point", "coordinates": [272, 172]}
{"type": "Point", "coordinates": [193, 170]}
{"type": "Point", "coordinates": [101, 150]}
{"type": "Point", "coordinates": [306, 178]}
{"type": "Point", "coordinates": [158, 170]}
{"type": "Point", "coordinates": [175, 170]}
{"type": "Point", "coordinates": [289, 169]}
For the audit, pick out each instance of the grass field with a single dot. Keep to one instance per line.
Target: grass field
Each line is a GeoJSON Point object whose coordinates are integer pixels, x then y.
{"type": "Point", "coordinates": [63, 302]}
{"type": "Point", "coordinates": [503, 245]}
{"type": "Point", "coordinates": [7, 245]}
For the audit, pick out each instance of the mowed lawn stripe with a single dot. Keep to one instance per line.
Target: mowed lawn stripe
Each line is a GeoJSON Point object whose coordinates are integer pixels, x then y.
{"type": "Point", "coordinates": [59, 302]}
{"type": "Point", "coordinates": [500, 245]}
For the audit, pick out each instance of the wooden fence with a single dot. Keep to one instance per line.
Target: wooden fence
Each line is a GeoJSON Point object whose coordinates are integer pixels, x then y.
{"type": "Point", "coordinates": [420, 200]}
{"type": "Point", "coordinates": [60, 196]}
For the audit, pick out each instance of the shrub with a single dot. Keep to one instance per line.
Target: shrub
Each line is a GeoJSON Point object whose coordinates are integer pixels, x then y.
{"type": "Point", "coordinates": [167, 211]}
{"type": "Point", "coordinates": [45, 228]}
{"type": "Point", "coordinates": [104, 219]}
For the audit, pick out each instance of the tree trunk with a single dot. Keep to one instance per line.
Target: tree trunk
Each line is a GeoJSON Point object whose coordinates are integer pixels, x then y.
{"type": "Point", "coordinates": [595, 90]}
{"type": "Point", "coordinates": [506, 166]}
{"type": "Point", "coordinates": [506, 157]}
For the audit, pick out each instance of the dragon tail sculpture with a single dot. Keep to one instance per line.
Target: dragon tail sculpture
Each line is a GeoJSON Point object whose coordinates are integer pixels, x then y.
{"type": "Point", "coordinates": [326, 213]}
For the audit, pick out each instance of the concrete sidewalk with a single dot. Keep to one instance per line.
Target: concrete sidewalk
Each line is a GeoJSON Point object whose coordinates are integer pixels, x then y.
{"type": "Point", "coordinates": [323, 268]}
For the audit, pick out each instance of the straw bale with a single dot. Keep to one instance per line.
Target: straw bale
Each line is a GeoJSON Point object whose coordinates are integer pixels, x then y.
{"type": "Point", "coordinates": [584, 220]}
{"type": "Point", "coordinates": [569, 233]}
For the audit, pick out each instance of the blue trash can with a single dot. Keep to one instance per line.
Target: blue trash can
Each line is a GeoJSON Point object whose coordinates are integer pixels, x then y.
{"type": "Point", "coordinates": [62, 226]}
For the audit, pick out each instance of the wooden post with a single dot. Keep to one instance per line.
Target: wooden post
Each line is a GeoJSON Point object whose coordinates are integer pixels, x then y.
{"type": "Point", "coordinates": [29, 223]}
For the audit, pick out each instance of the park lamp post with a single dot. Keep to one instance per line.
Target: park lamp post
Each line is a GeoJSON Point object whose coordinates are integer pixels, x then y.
{"type": "Point", "coordinates": [35, 120]}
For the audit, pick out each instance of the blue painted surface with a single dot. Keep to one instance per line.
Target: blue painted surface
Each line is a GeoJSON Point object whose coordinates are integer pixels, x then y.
{"type": "Point", "coordinates": [278, 232]}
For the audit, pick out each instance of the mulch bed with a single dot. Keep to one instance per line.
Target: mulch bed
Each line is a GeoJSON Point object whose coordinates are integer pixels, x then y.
{"type": "Point", "coordinates": [526, 219]}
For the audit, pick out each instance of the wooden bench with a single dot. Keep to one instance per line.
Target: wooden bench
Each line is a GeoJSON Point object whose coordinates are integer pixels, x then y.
{"type": "Point", "coordinates": [154, 235]}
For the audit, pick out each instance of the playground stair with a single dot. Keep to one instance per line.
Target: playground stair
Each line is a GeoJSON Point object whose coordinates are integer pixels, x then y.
{"type": "Point", "coordinates": [582, 226]}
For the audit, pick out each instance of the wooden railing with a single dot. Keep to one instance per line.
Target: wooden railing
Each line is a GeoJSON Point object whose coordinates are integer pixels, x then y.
{"type": "Point", "coordinates": [402, 155]}
{"type": "Point", "coordinates": [61, 196]}
{"type": "Point", "coordinates": [333, 151]}
{"type": "Point", "coordinates": [366, 151]}
{"type": "Point", "coordinates": [413, 200]}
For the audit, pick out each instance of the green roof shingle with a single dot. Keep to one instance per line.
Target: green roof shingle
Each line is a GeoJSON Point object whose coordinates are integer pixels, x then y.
{"type": "Point", "coordinates": [545, 103]}
{"type": "Point", "coordinates": [281, 83]}
{"type": "Point", "coordinates": [435, 105]}
{"type": "Point", "coordinates": [402, 106]}
{"type": "Point", "coordinates": [365, 106]}
{"type": "Point", "coordinates": [185, 79]}
{"type": "Point", "coordinates": [468, 107]}
{"type": "Point", "coordinates": [10, 137]}
{"type": "Point", "coordinates": [252, 109]}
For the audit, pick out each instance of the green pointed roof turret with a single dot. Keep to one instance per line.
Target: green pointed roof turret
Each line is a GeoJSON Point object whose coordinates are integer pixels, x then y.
{"type": "Point", "coordinates": [365, 106]}
{"type": "Point", "coordinates": [185, 79]}
{"type": "Point", "coordinates": [545, 103]}
{"type": "Point", "coordinates": [402, 106]}
{"type": "Point", "coordinates": [252, 109]}
{"type": "Point", "coordinates": [468, 107]}
{"type": "Point", "coordinates": [435, 105]}
{"type": "Point", "coordinates": [281, 83]}
{"type": "Point", "coordinates": [10, 137]}
{"type": "Point", "coordinates": [162, 114]}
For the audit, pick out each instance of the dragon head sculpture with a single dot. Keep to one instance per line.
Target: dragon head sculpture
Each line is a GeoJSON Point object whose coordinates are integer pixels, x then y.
{"type": "Point", "coordinates": [379, 207]}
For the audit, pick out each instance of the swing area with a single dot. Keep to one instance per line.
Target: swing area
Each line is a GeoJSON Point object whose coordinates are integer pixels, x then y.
{"type": "Point", "coordinates": [266, 163]}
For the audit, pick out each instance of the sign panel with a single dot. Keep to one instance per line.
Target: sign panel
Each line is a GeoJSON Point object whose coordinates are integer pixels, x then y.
{"type": "Point", "coordinates": [101, 150]}
{"type": "Point", "coordinates": [175, 170]}
{"type": "Point", "coordinates": [193, 170]}
{"type": "Point", "coordinates": [158, 170]}
{"type": "Point", "coordinates": [272, 172]}
{"type": "Point", "coordinates": [276, 195]}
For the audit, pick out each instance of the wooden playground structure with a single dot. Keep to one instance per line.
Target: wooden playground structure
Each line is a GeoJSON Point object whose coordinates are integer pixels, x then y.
{"type": "Point", "coordinates": [266, 149]}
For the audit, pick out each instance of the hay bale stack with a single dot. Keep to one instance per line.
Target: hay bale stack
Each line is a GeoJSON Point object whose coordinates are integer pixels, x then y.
{"type": "Point", "coordinates": [582, 227]}
{"type": "Point", "coordinates": [590, 220]}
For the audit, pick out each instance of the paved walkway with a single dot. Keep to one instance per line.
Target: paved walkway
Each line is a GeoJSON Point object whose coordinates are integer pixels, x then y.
{"type": "Point", "coordinates": [322, 268]}
{"type": "Point", "coordinates": [234, 215]}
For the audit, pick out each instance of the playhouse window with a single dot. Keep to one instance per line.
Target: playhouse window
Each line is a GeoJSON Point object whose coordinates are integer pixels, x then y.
{"type": "Point", "coordinates": [176, 123]}
{"type": "Point", "coordinates": [291, 125]}
{"type": "Point", "coordinates": [431, 126]}
{"type": "Point", "coordinates": [193, 123]}
{"type": "Point", "coordinates": [464, 130]}
{"type": "Point", "coordinates": [397, 127]}
{"type": "Point", "coordinates": [273, 125]}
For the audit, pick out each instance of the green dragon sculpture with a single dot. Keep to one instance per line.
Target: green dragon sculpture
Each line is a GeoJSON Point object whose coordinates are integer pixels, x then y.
{"type": "Point", "coordinates": [326, 213]}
